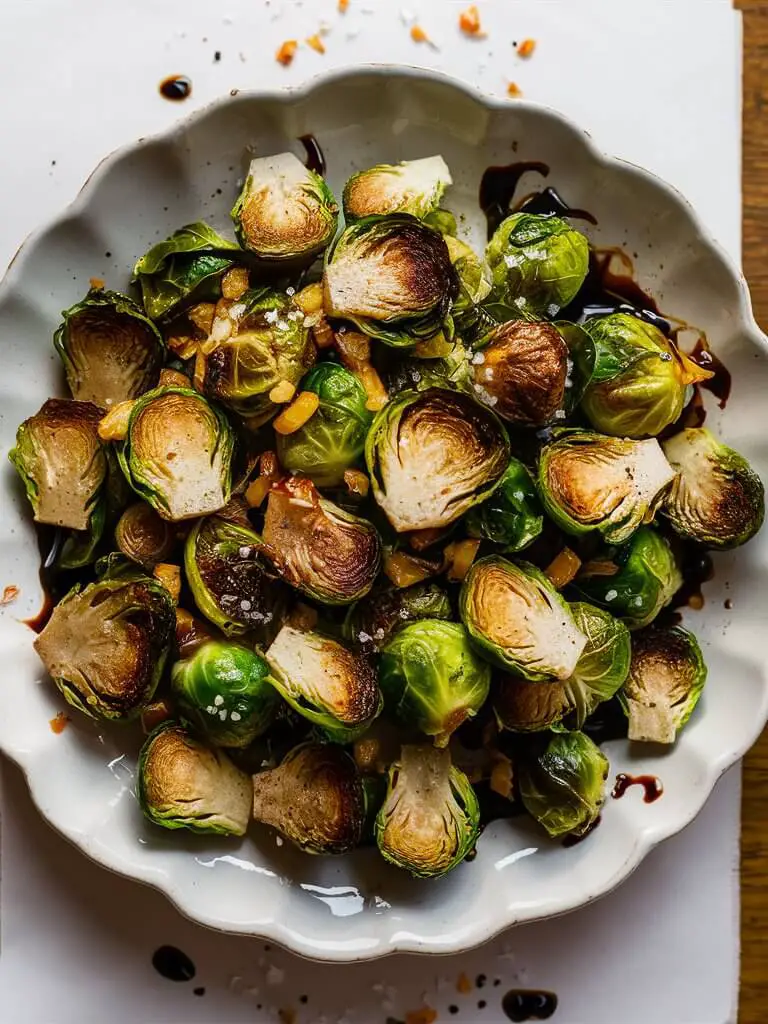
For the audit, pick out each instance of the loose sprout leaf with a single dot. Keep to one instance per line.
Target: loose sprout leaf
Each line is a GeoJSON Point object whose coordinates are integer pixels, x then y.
{"type": "Point", "coordinates": [110, 350]}
{"type": "Point", "coordinates": [430, 819]}
{"type": "Point", "coordinates": [62, 462]}
{"type": "Point", "coordinates": [433, 455]}
{"type": "Point", "coordinates": [285, 211]}
{"type": "Point", "coordinates": [563, 786]}
{"type": "Point", "coordinates": [413, 186]}
{"type": "Point", "coordinates": [716, 499]}
{"type": "Point", "coordinates": [184, 784]}
{"type": "Point", "coordinates": [512, 516]}
{"type": "Point", "coordinates": [371, 622]}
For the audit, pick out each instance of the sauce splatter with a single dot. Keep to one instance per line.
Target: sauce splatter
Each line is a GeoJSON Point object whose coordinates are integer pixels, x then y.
{"type": "Point", "coordinates": [521, 1004]}
{"type": "Point", "coordinates": [173, 964]}
{"type": "Point", "coordinates": [653, 787]}
{"type": "Point", "coordinates": [176, 88]}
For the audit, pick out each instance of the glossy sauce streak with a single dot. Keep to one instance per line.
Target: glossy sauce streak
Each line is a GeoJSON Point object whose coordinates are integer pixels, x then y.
{"type": "Point", "coordinates": [176, 87]}
{"type": "Point", "coordinates": [606, 290]}
{"type": "Point", "coordinates": [315, 158]}
{"type": "Point", "coordinates": [497, 189]}
{"type": "Point", "coordinates": [653, 787]}
{"type": "Point", "coordinates": [49, 542]}
{"type": "Point", "coordinates": [173, 964]}
{"type": "Point", "coordinates": [550, 203]}
{"type": "Point", "coordinates": [522, 1004]}
{"type": "Point", "coordinates": [697, 568]}
{"type": "Point", "coordinates": [720, 384]}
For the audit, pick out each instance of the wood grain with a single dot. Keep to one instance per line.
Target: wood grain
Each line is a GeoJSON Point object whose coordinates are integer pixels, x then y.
{"type": "Point", "coordinates": [753, 1003]}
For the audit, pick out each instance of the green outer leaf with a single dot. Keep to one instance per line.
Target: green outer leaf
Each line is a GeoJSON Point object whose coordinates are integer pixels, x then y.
{"type": "Point", "coordinates": [604, 663]}
{"type": "Point", "coordinates": [192, 238]}
{"type": "Point", "coordinates": [334, 438]}
{"type": "Point", "coordinates": [230, 679]}
{"type": "Point", "coordinates": [79, 549]}
{"type": "Point", "coordinates": [370, 623]}
{"type": "Point", "coordinates": [581, 350]}
{"type": "Point", "coordinates": [647, 580]}
{"type": "Point", "coordinates": [452, 372]}
{"type": "Point", "coordinates": [563, 787]}
{"type": "Point", "coordinates": [431, 677]}
{"type": "Point", "coordinates": [512, 517]}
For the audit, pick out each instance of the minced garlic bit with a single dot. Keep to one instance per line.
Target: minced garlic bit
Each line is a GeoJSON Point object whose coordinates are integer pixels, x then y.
{"type": "Point", "coordinates": [59, 723]}
{"type": "Point", "coordinates": [424, 1015]}
{"type": "Point", "coordinates": [514, 90]}
{"type": "Point", "coordinates": [526, 48]}
{"type": "Point", "coordinates": [357, 482]}
{"type": "Point", "coordinates": [460, 557]}
{"type": "Point", "coordinates": [96, 282]}
{"type": "Point", "coordinates": [234, 284]}
{"type": "Point", "coordinates": [563, 568]}
{"type": "Point", "coordinates": [282, 392]}
{"type": "Point", "coordinates": [173, 379]}
{"type": "Point", "coordinates": [287, 52]}
{"type": "Point", "coordinates": [315, 43]}
{"type": "Point", "coordinates": [257, 490]}
{"type": "Point", "coordinates": [10, 593]}
{"type": "Point", "coordinates": [170, 577]}
{"type": "Point", "coordinates": [310, 299]}
{"type": "Point", "coordinates": [501, 777]}
{"type": "Point", "coordinates": [418, 35]}
{"type": "Point", "coordinates": [301, 409]}
{"type": "Point", "coordinates": [202, 316]}
{"type": "Point", "coordinates": [463, 984]}
{"type": "Point", "coordinates": [114, 426]}
{"type": "Point", "coordinates": [343, 5]}
{"type": "Point", "coordinates": [469, 22]}
{"type": "Point", "coordinates": [402, 569]}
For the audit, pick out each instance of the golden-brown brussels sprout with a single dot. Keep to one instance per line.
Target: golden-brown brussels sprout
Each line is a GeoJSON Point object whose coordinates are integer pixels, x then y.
{"type": "Point", "coordinates": [413, 186]}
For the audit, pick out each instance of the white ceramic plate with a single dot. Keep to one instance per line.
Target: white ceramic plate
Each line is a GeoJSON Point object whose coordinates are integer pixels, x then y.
{"type": "Point", "coordinates": [357, 907]}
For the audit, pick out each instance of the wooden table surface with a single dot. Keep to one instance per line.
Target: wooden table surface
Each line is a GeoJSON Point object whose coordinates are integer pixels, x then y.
{"type": "Point", "coordinates": [754, 849]}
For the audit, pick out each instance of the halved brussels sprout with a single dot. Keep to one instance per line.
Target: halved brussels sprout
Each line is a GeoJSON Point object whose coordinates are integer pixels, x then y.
{"type": "Point", "coordinates": [285, 211]}
{"type": "Point", "coordinates": [143, 536]}
{"type": "Point", "coordinates": [413, 186]}
{"type": "Point", "coordinates": [392, 276]}
{"type": "Point", "coordinates": [231, 582]}
{"type": "Point", "coordinates": [184, 784]}
{"type": "Point", "coordinates": [334, 438]}
{"type": "Point", "coordinates": [592, 482]}
{"type": "Point", "coordinates": [185, 267]}
{"type": "Point", "coordinates": [563, 786]}
{"type": "Point", "coordinates": [635, 581]}
{"type": "Point", "coordinates": [432, 455]}
{"type": "Point", "coordinates": [538, 263]}
{"type": "Point", "coordinates": [474, 276]}
{"type": "Point", "coordinates": [315, 798]}
{"type": "Point", "coordinates": [224, 691]}
{"type": "Point", "coordinates": [639, 380]}
{"type": "Point", "coordinates": [372, 622]}
{"type": "Point", "coordinates": [517, 619]}
{"type": "Point", "coordinates": [317, 547]}
{"type": "Point", "coordinates": [272, 344]}
{"type": "Point", "coordinates": [716, 499]}
{"type": "Point", "coordinates": [521, 372]}
{"type": "Point", "coordinates": [512, 516]}
{"type": "Point", "coordinates": [62, 462]}
{"type": "Point", "coordinates": [177, 453]}
{"type": "Point", "coordinates": [522, 706]}
{"type": "Point", "coordinates": [430, 819]}
{"type": "Point", "coordinates": [666, 679]}
{"type": "Point", "coordinates": [324, 681]}
{"type": "Point", "coordinates": [110, 350]}
{"type": "Point", "coordinates": [105, 645]}
{"type": "Point", "coordinates": [432, 679]}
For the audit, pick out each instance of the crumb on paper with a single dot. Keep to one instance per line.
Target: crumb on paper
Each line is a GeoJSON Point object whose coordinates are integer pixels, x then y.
{"type": "Point", "coordinates": [526, 48]}
{"type": "Point", "coordinates": [286, 1016]}
{"type": "Point", "coordinates": [469, 22]}
{"type": "Point", "coordinates": [316, 43]}
{"type": "Point", "coordinates": [463, 984]}
{"type": "Point", "coordinates": [425, 1015]}
{"type": "Point", "coordinates": [514, 90]}
{"type": "Point", "coordinates": [59, 723]}
{"type": "Point", "coordinates": [287, 52]}
{"type": "Point", "coordinates": [10, 593]}
{"type": "Point", "coordinates": [96, 282]}
{"type": "Point", "coordinates": [343, 5]}
{"type": "Point", "coordinates": [418, 35]}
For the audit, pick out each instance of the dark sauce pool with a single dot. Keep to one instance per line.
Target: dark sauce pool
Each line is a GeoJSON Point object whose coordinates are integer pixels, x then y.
{"type": "Point", "coordinates": [315, 158]}
{"type": "Point", "coordinates": [522, 1004]}
{"type": "Point", "coordinates": [176, 88]}
{"type": "Point", "coordinates": [173, 964]}
{"type": "Point", "coordinates": [652, 786]}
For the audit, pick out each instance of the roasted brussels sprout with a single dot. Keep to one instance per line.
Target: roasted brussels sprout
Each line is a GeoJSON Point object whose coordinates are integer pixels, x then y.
{"type": "Point", "coordinates": [430, 819]}
{"type": "Point", "coordinates": [143, 536]}
{"type": "Point", "coordinates": [272, 345]}
{"type": "Point", "coordinates": [413, 186]}
{"type": "Point", "coordinates": [639, 378]}
{"type": "Point", "coordinates": [591, 482]}
{"type": "Point", "coordinates": [334, 438]}
{"type": "Point", "coordinates": [285, 211]}
{"type": "Point", "coordinates": [521, 372]}
{"type": "Point", "coordinates": [432, 455]}
{"type": "Point", "coordinates": [563, 786]}
{"type": "Point", "coordinates": [184, 784]}
{"type": "Point", "coordinates": [105, 645]}
{"type": "Point", "coordinates": [232, 583]}
{"type": "Point", "coordinates": [110, 350]}
{"type": "Point", "coordinates": [635, 581]}
{"type": "Point", "coordinates": [538, 263]}
{"type": "Point", "coordinates": [372, 622]}
{"type": "Point", "coordinates": [666, 678]}
{"type": "Point", "coordinates": [325, 681]}
{"type": "Point", "coordinates": [315, 798]}
{"type": "Point", "coordinates": [317, 547]}
{"type": "Point", "coordinates": [474, 276]}
{"type": "Point", "coordinates": [517, 619]}
{"type": "Point", "coordinates": [177, 453]}
{"type": "Point", "coordinates": [432, 679]}
{"type": "Point", "coordinates": [184, 268]}
{"type": "Point", "coordinates": [512, 516]}
{"type": "Point", "coordinates": [716, 499]}
{"type": "Point", "coordinates": [224, 691]}
{"type": "Point", "coordinates": [62, 462]}
{"type": "Point", "coordinates": [393, 277]}
{"type": "Point", "coordinates": [452, 371]}
{"type": "Point", "coordinates": [522, 706]}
